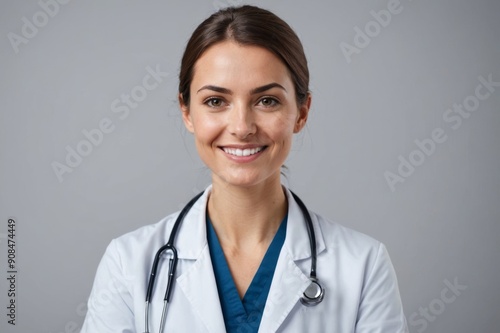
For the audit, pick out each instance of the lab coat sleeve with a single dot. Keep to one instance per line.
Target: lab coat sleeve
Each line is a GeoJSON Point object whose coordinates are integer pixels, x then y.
{"type": "Point", "coordinates": [110, 307]}
{"type": "Point", "coordinates": [380, 309]}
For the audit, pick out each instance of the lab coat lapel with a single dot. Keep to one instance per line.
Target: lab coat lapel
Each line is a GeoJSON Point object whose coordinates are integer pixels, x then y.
{"type": "Point", "coordinates": [198, 282]}
{"type": "Point", "coordinates": [200, 288]}
{"type": "Point", "coordinates": [286, 289]}
{"type": "Point", "coordinates": [289, 281]}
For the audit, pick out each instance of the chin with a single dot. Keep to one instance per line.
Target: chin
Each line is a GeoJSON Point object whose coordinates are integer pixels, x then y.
{"type": "Point", "coordinates": [246, 180]}
{"type": "Point", "coordinates": [233, 181]}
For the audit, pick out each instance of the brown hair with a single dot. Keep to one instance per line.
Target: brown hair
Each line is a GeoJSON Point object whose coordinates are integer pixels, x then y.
{"type": "Point", "coordinates": [247, 25]}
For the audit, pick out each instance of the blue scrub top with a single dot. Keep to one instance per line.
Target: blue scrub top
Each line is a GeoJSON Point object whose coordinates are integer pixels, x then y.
{"type": "Point", "coordinates": [244, 315]}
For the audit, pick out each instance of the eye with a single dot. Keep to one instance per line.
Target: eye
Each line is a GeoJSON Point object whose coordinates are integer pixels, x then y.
{"type": "Point", "coordinates": [214, 102]}
{"type": "Point", "coordinates": [268, 102]}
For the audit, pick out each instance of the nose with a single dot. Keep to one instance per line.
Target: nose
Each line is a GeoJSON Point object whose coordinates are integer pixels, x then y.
{"type": "Point", "coordinates": [242, 122]}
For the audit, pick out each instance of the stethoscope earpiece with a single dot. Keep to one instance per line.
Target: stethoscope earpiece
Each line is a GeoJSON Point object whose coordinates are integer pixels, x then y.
{"type": "Point", "coordinates": [313, 295]}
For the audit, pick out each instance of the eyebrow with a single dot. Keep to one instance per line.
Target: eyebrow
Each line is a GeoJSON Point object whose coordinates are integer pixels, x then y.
{"type": "Point", "coordinates": [254, 91]}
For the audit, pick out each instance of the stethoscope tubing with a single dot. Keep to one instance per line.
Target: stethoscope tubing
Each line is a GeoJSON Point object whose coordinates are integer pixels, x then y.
{"type": "Point", "coordinates": [172, 266]}
{"type": "Point", "coordinates": [310, 232]}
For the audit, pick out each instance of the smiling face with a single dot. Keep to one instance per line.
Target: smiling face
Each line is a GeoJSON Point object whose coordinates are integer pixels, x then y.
{"type": "Point", "coordinates": [243, 113]}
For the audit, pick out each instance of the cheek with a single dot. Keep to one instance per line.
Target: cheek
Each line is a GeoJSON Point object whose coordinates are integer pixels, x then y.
{"type": "Point", "coordinates": [281, 128]}
{"type": "Point", "coordinates": [205, 129]}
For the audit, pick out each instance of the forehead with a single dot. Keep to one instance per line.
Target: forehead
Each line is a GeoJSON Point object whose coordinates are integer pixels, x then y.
{"type": "Point", "coordinates": [246, 66]}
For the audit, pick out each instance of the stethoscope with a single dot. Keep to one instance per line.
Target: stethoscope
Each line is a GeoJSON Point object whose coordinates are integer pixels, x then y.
{"type": "Point", "coordinates": [313, 295]}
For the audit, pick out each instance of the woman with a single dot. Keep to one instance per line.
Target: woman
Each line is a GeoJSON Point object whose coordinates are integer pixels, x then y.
{"type": "Point", "coordinates": [244, 254]}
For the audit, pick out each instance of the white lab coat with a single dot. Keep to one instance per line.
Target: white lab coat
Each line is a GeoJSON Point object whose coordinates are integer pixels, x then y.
{"type": "Point", "coordinates": [361, 290]}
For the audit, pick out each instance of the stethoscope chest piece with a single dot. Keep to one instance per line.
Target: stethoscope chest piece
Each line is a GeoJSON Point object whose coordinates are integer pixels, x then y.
{"type": "Point", "coordinates": [313, 295]}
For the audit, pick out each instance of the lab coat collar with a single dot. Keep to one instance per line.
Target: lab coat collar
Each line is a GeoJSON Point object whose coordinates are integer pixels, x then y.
{"type": "Point", "coordinates": [297, 239]}
{"type": "Point", "coordinates": [192, 234]}
{"type": "Point", "coordinates": [198, 282]}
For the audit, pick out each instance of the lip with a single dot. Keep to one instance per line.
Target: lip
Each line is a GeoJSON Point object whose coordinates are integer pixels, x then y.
{"type": "Point", "coordinates": [243, 159]}
{"type": "Point", "coordinates": [240, 146]}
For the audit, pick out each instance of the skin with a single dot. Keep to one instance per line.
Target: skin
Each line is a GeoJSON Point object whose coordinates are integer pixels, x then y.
{"type": "Point", "coordinates": [243, 97]}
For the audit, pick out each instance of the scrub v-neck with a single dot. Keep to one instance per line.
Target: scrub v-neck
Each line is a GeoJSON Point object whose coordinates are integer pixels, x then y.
{"type": "Point", "coordinates": [244, 315]}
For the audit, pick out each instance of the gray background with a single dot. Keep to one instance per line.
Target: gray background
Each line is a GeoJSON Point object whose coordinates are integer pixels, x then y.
{"type": "Point", "coordinates": [440, 224]}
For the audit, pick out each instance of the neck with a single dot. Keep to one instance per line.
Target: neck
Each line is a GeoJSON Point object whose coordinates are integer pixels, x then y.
{"type": "Point", "coordinates": [247, 215]}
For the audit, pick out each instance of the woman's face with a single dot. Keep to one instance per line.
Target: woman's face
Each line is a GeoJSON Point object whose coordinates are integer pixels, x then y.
{"type": "Point", "coordinates": [243, 113]}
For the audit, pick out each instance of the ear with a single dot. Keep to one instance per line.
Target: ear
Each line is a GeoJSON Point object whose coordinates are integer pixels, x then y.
{"type": "Point", "coordinates": [186, 115]}
{"type": "Point", "coordinates": [303, 113]}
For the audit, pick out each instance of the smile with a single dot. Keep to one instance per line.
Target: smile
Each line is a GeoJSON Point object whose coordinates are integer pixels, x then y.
{"type": "Point", "coordinates": [242, 152]}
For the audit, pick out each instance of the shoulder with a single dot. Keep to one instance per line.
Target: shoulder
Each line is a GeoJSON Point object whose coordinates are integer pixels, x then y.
{"type": "Point", "coordinates": [145, 241]}
{"type": "Point", "coordinates": [148, 231]}
{"type": "Point", "coordinates": [336, 233]}
{"type": "Point", "coordinates": [142, 240]}
{"type": "Point", "coordinates": [360, 252]}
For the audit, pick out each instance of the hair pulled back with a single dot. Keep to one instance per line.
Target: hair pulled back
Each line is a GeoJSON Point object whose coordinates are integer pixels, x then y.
{"type": "Point", "coordinates": [247, 25]}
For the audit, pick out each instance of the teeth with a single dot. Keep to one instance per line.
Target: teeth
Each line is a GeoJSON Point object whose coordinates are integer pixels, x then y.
{"type": "Point", "coordinates": [242, 152]}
